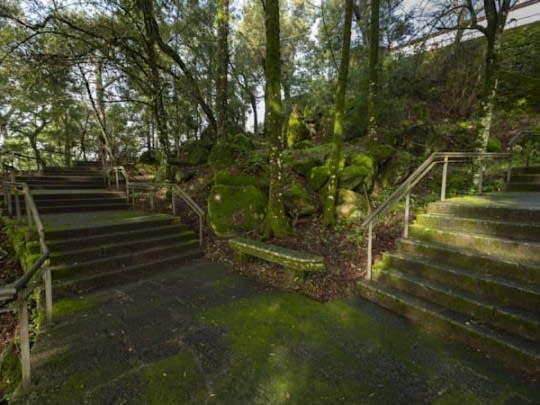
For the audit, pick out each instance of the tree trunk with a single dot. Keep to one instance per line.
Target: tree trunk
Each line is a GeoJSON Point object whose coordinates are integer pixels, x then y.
{"type": "Point", "coordinates": [222, 69]}
{"type": "Point", "coordinates": [276, 222]}
{"type": "Point", "coordinates": [329, 214]}
{"type": "Point", "coordinates": [496, 20]}
{"type": "Point", "coordinates": [373, 69]}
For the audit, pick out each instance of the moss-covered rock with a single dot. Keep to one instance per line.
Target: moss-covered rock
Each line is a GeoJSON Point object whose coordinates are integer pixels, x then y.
{"type": "Point", "coordinates": [229, 177]}
{"type": "Point", "coordinates": [298, 201]}
{"type": "Point", "coordinates": [398, 169]}
{"type": "Point", "coordinates": [318, 177]}
{"type": "Point", "coordinates": [233, 209]}
{"type": "Point", "coordinates": [356, 174]}
{"type": "Point", "coordinates": [351, 204]}
{"type": "Point", "coordinates": [305, 144]}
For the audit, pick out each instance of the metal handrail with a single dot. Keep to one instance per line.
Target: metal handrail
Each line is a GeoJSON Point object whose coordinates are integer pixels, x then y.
{"type": "Point", "coordinates": [404, 190]}
{"type": "Point", "coordinates": [20, 289]}
{"type": "Point", "coordinates": [176, 190]}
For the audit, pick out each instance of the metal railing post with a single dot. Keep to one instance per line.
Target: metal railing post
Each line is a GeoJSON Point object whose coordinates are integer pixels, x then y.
{"type": "Point", "coordinates": [47, 280]}
{"type": "Point", "coordinates": [407, 215]}
{"type": "Point", "coordinates": [480, 176]}
{"type": "Point", "coordinates": [444, 176]}
{"type": "Point", "coordinates": [17, 204]}
{"type": "Point", "coordinates": [369, 250]}
{"type": "Point", "coordinates": [173, 201]}
{"type": "Point", "coordinates": [116, 178]}
{"type": "Point", "coordinates": [24, 342]}
{"type": "Point", "coordinates": [27, 208]}
{"type": "Point", "coordinates": [509, 172]}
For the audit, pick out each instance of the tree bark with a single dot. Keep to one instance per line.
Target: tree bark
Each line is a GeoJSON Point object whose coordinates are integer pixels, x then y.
{"type": "Point", "coordinates": [276, 222]}
{"type": "Point", "coordinates": [329, 214]}
{"type": "Point", "coordinates": [222, 69]}
{"type": "Point", "coordinates": [496, 20]}
{"type": "Point", "coordinates": [373, 69]}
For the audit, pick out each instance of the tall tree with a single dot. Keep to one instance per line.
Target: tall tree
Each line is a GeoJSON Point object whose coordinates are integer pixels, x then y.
{"type": "Point", "coordinates": [222, 68]}
{"type": "Point", "coordinates": [329, 215]}
{"type": "Point", "coordinates": [373, 69]}
{"type": "Point", "coordinates": [276, 221]}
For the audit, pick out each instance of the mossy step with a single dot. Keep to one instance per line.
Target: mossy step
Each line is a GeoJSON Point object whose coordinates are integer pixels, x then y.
{"type": "Point", "coordinates": [118, 205]}
{"type": "Point", "coordinates": [63, 245]}
{"type": "Point", "coordinates": [83, 283]}
{"type": "Point", "coordinates": [515, 352]}
{"type": "Point", "coordinates": [75, 195]}
{"type": "Point", "coordinates": [490, 287]}
{"type": "Point", "coordinates": [64, 178]}
{"type": "Point", "coordinates": [289, 258]}
{"type": "Point", "coordinates": [512, 186]}
{"type": "Point", "coordinates": [525, 170]}
{"type": "Point", "coordinates": [516, 214]}
{"type": "Point", "coordinates": [525, 178]}
{"type": "Point", "coordinates": [119, 261]}
{"type": "Point", "coordinates": [120, 246]}
{"type": "Point", "coordinates": [510, 230]}
{"type": "Point", "coordinates": [123, 225]}
{"type": "Point", "coordinates": [471, 260]}
{"type": "Point", "coordinates": [80, 201]}
{"type": "Point", "coordinates": [515, 321]}
{"type": "Point", "coordinates": [520, 251]}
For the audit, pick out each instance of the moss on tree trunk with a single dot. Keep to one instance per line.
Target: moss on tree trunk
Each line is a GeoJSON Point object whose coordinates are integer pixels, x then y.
{"type": "Point", "coordinates": [276, 222]}
{"type": "Point", "coordinates": [329, 214]}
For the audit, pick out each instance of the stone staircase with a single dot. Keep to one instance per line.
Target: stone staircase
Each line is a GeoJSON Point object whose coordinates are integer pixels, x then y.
{"type": "Point", "coordinates": [95, 240]}
{"type": "Point", "coordinates": [76, 189]}
{"type": "Point", "coordinates": [470, 270]}
{"type": "Point", "coordinates": [525, 179]}
{"type": "Point", "coordinates": [90, 257]}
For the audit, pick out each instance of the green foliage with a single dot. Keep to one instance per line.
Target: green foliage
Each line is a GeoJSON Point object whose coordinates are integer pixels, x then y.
{"type": "Point", "coordinates": [191, 154]}
{"type": "Point", "coordinates": [296, 130]}
{"type": "Point", "coordinates": [10, 372]}
{"type": "Point", "coordinates": [149, 157]}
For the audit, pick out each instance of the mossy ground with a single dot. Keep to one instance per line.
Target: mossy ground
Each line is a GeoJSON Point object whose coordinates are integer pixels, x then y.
{"type": "Point", "coordinates": [206, 335]}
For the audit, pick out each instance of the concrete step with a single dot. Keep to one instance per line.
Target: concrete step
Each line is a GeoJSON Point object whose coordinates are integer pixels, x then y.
{"type": "Point", "coordinates": [499, 228]}
{"type": "Point", "coordinates": [515, 186]}
{"type": "Point", "coordinates": [133, 225]}
{"type": "Point", "coordinates": [482, 211]}
{"type": "Point", "coordinates": [121, 260]}
{"type": "Point", "coordinates": [525, 324]}
{"type": "Point", "coordinates": [62, 171]}
{"type": "Point", "coordinates": [471, 260]}
{"type": "Point", "coordinates": [526, 178]}
{"type": "Point", "coordinates": [57, 178]}
{"type": "Point", "coordinates": [111, 276]}
{"type": "Point", "coordinates": [59, 209]}
{"type": "Point", "coordinates": [514, 351]}
{"type": "Point", "coordinates": [76, 195]}
{"type": "Point", "coordinates": [136, 234]}
{"type": "Point", "coordinates": [119, 247]}
{"type": "Point", "coordinates": [520, 251]}
{"type": "Point", "coordinates": [80, 201]}
{"type": "Point", "coordinates": [505, 291]}
{"type": "Point", "coordinates": [526, 170]}
{"type": "Point", "coordinates": [63, 185]}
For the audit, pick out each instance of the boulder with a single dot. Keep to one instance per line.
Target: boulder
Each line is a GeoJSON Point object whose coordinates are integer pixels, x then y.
{"type": "Point", "coordinates": [235, 209]}
{"type": "Point", "coordinates": [351, 204]}
{"type": "Point", "coordinates": [298, 201]}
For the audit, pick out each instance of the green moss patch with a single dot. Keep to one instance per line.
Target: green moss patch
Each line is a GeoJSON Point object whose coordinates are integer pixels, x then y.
{"type": "Point", "coordinates": [235, 209]}
{"type": "Point", "coordinates": [175, 380]}
{"type": "Point", "coordinates": [67, 307]}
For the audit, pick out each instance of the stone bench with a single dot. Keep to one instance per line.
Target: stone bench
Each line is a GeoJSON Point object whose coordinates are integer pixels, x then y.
{"type": "Point", "coordinates": [295, 262]}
